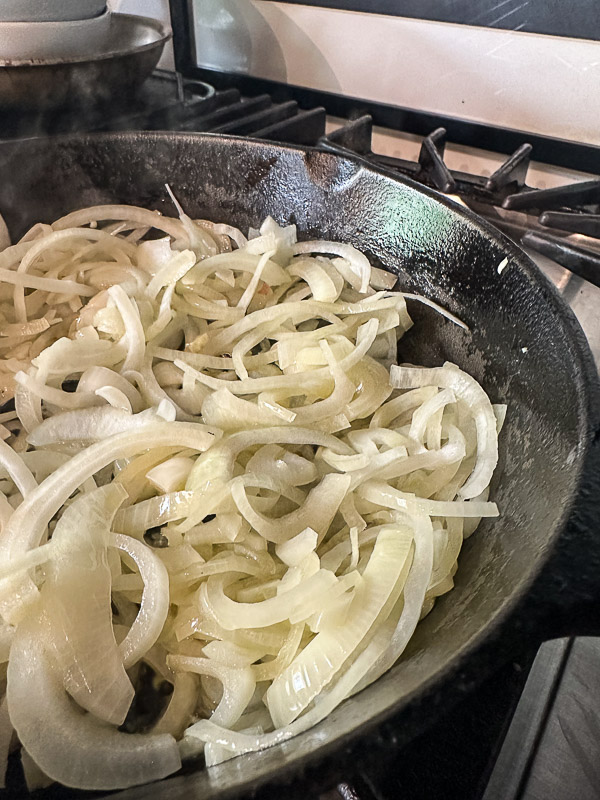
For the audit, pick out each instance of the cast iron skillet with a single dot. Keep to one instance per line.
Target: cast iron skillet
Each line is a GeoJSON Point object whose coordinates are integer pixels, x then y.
{"type": "Point", "coordinates": [528, 575]}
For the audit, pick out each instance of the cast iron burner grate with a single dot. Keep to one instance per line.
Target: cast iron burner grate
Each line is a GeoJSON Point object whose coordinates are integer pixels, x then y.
{"type": "Point", "coordinates": [167, 103]}
{"type": "Point", "coordinates": [561, 223]}
{"type": "Point", "coordinates": [504, 198]}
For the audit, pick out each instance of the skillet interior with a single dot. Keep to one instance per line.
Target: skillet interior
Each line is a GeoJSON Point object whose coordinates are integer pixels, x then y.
{"type": "Point", "coordinates": [523, 346]}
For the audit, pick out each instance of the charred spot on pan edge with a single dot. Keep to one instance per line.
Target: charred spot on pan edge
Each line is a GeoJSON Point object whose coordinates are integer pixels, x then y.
{"type": "Point", "coordinates": [260, 170]}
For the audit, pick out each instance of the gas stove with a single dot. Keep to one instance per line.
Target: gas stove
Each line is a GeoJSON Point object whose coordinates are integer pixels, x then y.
{"type": "Point", "coordinates": [545, 195]}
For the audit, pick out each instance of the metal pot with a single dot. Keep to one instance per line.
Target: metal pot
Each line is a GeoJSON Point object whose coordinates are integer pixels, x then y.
{"type": "Point", "coordinates": [113, 68]}
{"type": "Point", "coordinates": [527, 576]}
{"type": "Point", "coordinates": [50, 10]}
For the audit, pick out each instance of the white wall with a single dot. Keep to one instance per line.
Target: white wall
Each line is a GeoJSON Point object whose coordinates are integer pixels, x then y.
{"type": "Point", "coordinates": [541, 84]}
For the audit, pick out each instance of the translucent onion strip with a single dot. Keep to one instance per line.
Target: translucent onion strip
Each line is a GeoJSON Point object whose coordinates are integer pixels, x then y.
{"type": "Point", "coordinates": [76, 600]}
{"type": "Point", "coordinates": [16, 469]}
{"type": "Point", "coordinates": [470, 392]}
{"type": "Point", "coordinates": [315, 666]}
{"type": "Point", "coordinates": [154, 606]}
{"type": "Point", "coordinates": [414, 595]}
{"type": "Point", "coordinates": [317, 511]}
{"type": "Point", "coordinates": [70, 747]}
{"type": "Point", "coordinates": [238, 685]}
{"type": "Point", "coordinates": [298, 603]}
{"type": "Point", "coordinates": [359, 264]}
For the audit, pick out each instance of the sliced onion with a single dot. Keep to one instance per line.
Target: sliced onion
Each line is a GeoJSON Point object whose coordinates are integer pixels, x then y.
{"type": "Point", "coordinates": [316, 512]}
{"type": "Point", "coordinates": [321, 284]}
{"type": "Point", "coordinates": [436, 307]}
{"type": "Point", "coordinates": [414, 595]}
{"type": "Point", "coordinates": [470, 392]}
{"type": "Point", "coordinates": [238, 685]}
{"type": "Point", "coordinates": [359, 263]}
{"type": "Point", "coordinates": [76, 599]}
{"type": "Point", "coordinates": [134, 214]}
{"type": "Point", "coordinates": [89, 425]}
{"type": "Point", "coordinates": [294, 551]}
{"type": "Point", "coordinates": [221, 229]}
{"type": "Point", "coordinates": [179, 713]}
{"type": "Point", "coordinates": [17, 470]}
{"type": "Point", "coordinates": [315, 666]}
{"type": "Point", "coordinates": [68, 356]}
{"type": "Point", "coordinates": [45, 284]}
{"type": "Point", "coordinates": [230, 413]}
{"type": "Point", "coordinates": [135, 339]}
{"type": "Point", "coordinates": [153, 254]}
{"type": "Point", "coordinates": [28, 408]}
{"type": "Point", "coordinates": [155, 599]}
{"type": "Point", "coordinates": [70, 747]}
{"type": "Point", "coordinates": [238, 260]}
{"type": "Point", "coordinates": [176, 267]}
{"type": "Point", "coordinates": [250, 290]}
{"type": "Point", "coordinates": [301, 601]}
{"type": "Point", "coordinates": [96, 378]}
{"type": "Point", "coordinates": [283, 465]}
{"type": "Point", "coordinates": [423, 414]}
{"type": "Point", "coordinates": [56, 397]}
{"type": "Point", "coordinates": [225, 528]}
{"type": "Point", "coordinates": [171, 475]}
{"type": "Point", "coordinates": [385, 495]}
{"type": "Point", "coordinates": [382, 279]}
{"type": "Point", "coordinates": [156, 511]}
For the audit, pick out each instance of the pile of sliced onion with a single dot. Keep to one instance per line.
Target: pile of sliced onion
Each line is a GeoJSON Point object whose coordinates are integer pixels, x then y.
{"type": "Point", "coordinates": [217, 483]}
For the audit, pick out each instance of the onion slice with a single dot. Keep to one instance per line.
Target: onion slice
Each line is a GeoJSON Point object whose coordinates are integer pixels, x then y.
{"type": "Point", "coordinates": [17, 469]}
{"type": "Point", "coordinates": [316, 665]}
{"type": "Point", "coordinates": [470, 392]}
{"type": "Point", "coordinates": [359, 263]}
{"type": "Point", "coordinates": [155, 599]}
{"type": "Point", "coordinates": [76, 598]}
{"type": "Point", "coordinates": [71, 747]}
